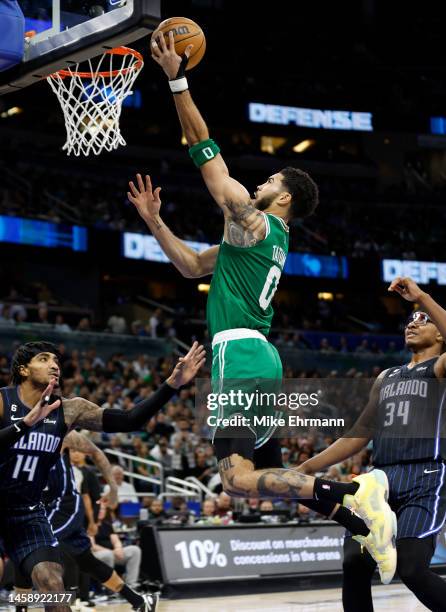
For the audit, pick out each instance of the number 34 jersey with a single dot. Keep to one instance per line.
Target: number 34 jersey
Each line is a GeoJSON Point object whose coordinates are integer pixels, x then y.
{"type": "Point", "coordinates": [245, 280]}
{"type": "Point", "coordinates": [25, 467]}
{"type": "Point", "coordinates": [410, 424]}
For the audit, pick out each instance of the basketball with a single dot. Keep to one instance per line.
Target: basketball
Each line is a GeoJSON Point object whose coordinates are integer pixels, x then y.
{"type": "Point", "coordinates": [186, 32]}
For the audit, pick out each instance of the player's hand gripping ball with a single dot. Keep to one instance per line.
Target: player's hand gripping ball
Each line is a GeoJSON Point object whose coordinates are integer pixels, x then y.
{"type": "Point", "coordinates": [185, 32]}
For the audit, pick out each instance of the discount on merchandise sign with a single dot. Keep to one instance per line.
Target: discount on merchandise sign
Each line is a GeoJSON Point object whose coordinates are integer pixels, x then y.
{"type": "Point", "coordinates": [196, 554]}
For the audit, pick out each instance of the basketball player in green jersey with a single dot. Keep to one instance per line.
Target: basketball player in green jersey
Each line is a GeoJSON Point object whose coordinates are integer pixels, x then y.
{"type": "Point", "coordinates": [246, 270]}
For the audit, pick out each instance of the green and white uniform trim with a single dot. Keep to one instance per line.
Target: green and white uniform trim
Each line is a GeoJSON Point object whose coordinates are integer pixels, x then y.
{"type": "Point", "coordinates": [239, 315]}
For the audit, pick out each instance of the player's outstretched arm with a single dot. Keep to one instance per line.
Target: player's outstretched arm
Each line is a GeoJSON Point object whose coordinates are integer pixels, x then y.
{"type": "Point", "coordinates": [410, 291]}
{"type": "Point", "coordinates": [229, 194]}
{"type": "Point", "coordinates": [354, 441]}
{"type": "Point", "coordinates": [77, 441]}
{"type": "Point", "coordinates": [80, 412]}
{"type": "Point", "coordinates": [148, 204]}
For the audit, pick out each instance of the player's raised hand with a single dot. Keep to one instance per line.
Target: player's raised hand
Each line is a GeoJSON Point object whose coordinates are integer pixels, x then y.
{"type": "Point", "coordinates": [187, 366]}
{"type": "Point", "coordinates": [407, 288]}
{"type": "Point", "coordinates": [43, 408]}
{"type": "Point", "coordinates": [165, 55]}
{"type": "Point", "coordinates": [144, 197]}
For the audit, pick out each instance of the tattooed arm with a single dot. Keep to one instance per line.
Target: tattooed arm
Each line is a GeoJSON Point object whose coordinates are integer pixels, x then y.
{"type": "Point", "coordinates": [244, 224]}
{"type": "Point", "coordinates": [77, 441]}
{"type": "Point", "coordinates": [80, 412]}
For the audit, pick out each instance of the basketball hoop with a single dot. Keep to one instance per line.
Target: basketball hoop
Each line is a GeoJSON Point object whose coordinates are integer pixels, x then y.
{"type": "Point", "coordinates": [92, 100]}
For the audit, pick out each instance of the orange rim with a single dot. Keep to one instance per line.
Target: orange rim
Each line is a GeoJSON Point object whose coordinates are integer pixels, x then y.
{"type": "Point", "coordinates": [106, 73]}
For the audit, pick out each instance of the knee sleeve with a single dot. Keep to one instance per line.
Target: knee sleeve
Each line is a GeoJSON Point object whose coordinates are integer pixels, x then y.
{"type": "Point", "coordinates": [44, 554]}
{"type": "Point", "coordinates": [96, 568]}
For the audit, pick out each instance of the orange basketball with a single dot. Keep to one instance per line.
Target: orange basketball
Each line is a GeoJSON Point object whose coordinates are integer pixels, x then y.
{"type": "Point", "coordinates": [186, 32]}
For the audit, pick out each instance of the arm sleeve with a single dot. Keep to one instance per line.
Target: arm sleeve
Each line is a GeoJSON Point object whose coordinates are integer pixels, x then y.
{"type": "Point", "coordinates": [116, 420]}
{"type": "Point", "coordinates": [9, 435]}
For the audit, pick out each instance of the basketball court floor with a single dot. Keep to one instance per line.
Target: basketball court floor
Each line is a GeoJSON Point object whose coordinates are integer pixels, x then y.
{"type": "Point", "coordinates": [389, 598]}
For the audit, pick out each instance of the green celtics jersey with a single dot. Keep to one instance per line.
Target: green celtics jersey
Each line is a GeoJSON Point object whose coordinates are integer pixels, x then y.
{"type": "Point", "coordinates": [245, 280]}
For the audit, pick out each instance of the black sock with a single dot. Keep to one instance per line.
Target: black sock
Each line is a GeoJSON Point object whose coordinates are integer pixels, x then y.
{"type": "Point", "coordinates": [335, 491]}
{"type": "Point", "coordinates": [134, 598]}
{"type": "Point", "coordinates": [350, 521]}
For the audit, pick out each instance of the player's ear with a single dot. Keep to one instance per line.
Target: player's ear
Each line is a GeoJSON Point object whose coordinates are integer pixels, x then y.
{"type": "Point", "coordinates": [284, 198]}
{"type": "Point", "coordinates": [24, 371]}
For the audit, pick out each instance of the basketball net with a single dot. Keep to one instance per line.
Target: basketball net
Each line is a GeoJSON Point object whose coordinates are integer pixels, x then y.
{"type": "Point", "coordinates": [92, 100]}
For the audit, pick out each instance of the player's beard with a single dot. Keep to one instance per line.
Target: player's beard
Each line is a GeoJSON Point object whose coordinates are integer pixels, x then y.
{"type": "Point", "coordinates": [264, 202]}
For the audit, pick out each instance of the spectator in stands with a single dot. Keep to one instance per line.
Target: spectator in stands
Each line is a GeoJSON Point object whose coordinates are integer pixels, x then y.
{"type": "Point", "coordinates": [304, 514]}
{"type": "Point", "coordinates": [90, 489]}
{"type": "Point", "coordinates": [60, 325]}
{"type": "Point", "coordinates": [117, 324]}
{"type": "Point", "coordinates": [208, 509]}
{"type": "Point", "coordinates": [107, 547]}
{"type": "Point", "coordinates": [363, 347]}
{"type": "Point", "coordinates": [162, 453]}
{"type": "Point", "coordinates": [184, 443]}
{"type": "Point", "coordinates": [325, 346]}
{"type": "Point", "coordinates": [84, 325]}
{"type": "Point", "coordinates": [343, 345]}
{"type": "Point", "coordinates": [156, 512]}
{"type": "Point", "coordinates": [6, 317]}
{"type": "Point", "coordinates": [126, 491]}
{"type": "Point", "coordinates": [286, 456]}
{"type": "Point", "coordinates": [111, 402]}
{"type": "Point", "coordinates": [154, 323]}
{"type": "Point", "coordinates": [201, 471]}
{"type": "Point", "coordinates": [141, 367]}
{"type": "Point", "coordinates": [266, 505]}
{"type": "Point", "coordinates": [224, 505]}
{"type": "Point", "coordinates": [143, 486]}
{"type": "Point", "coordinates": [163, 427]}
{"type": "Point", "coordinates": [42, 314]}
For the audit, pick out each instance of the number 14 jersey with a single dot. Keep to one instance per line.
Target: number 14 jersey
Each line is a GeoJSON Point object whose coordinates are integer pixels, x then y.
{"type": "Point", "coordinates": [25, 467]}
{"type": "Point", "coordinates": [245, 280]}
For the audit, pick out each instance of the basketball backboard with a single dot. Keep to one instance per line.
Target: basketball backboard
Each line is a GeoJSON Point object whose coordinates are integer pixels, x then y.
{"type": "Point", "coordinates": [70, 31]}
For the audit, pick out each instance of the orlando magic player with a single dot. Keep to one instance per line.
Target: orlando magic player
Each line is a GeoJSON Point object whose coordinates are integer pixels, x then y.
{"type": "Point", "coordinates": [30, 444]}
{"type": "Point", "coordinates": [64, 508]}
{"type": "Point", "coordinates": [408, 402]}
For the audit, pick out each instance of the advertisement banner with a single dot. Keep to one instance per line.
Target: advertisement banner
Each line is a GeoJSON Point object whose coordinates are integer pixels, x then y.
{"type": "Point", "coordinates": [200, 554]}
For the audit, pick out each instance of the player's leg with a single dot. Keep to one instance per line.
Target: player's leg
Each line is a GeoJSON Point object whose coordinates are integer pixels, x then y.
{"type": "Point", "coordinates": [420, 520]}
{"type": "Point", "coordinates": [108, 577]}
{"type": "Point", "coordinates": [414, 557]}
{"type": "Point", "coordinates": [22, 585]}
{"type": "Point", "coordinates": [30, 543]}
{"type": "Point", "coordinates": [358, 568]}
{"type": "Point", "coordinates": [269, 455]}
{"type": "Point", "coordinates": [47, 577]}
{"type": "Point", "coordinates": [246, 364]}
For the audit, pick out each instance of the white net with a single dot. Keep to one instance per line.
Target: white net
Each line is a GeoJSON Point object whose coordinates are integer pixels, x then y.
{"type": "Point", "coordinates": [92, 100]}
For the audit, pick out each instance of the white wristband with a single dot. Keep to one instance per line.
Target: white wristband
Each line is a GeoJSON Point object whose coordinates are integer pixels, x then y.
{"type": "Point", "coordinates": [178, 85]}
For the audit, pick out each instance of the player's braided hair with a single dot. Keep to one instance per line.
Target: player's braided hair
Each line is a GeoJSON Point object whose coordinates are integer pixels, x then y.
{"type": "Point", "coordinates": [304, 192]}
{"type": "Point", "coordinates": [25, 353]}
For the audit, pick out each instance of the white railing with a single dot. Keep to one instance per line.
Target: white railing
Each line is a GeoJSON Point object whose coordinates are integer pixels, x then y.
{"type": "Point", "coordinates": [158, 481]}
{"type": "Point", "coordinates": [182, 488]}
{"type": "Point", "coordinates": [205, 491]}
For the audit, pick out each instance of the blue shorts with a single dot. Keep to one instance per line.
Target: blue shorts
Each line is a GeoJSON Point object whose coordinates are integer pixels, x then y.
{"type": "Point", "coordinates": [69, 530]}
{"type": "Point", "coordinates": [417, 494]}
{"type": "Point", "coordinates": [25, 529]}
